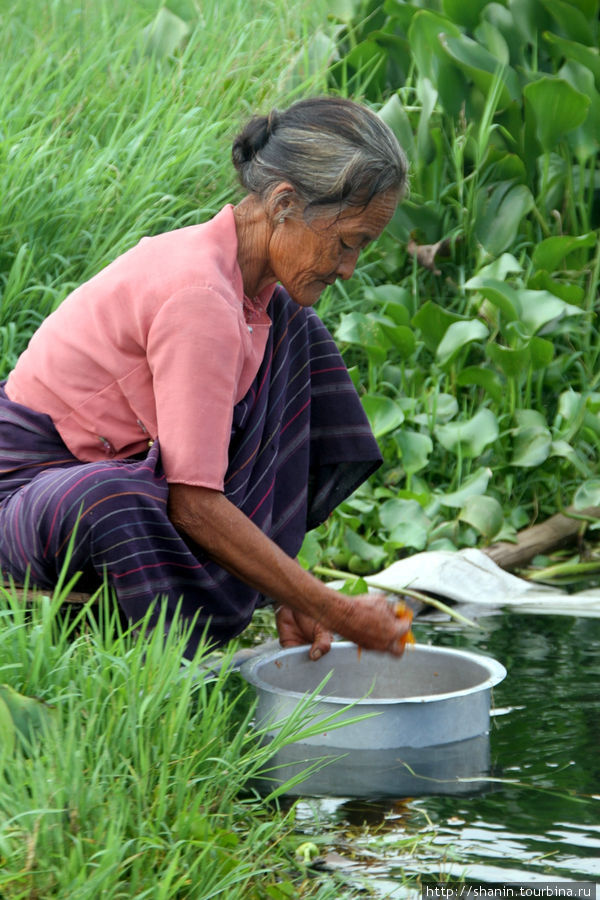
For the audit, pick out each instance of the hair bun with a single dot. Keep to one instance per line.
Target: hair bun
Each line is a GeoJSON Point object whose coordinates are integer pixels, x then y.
{"type": "Point", "coordinates": [252, 139]}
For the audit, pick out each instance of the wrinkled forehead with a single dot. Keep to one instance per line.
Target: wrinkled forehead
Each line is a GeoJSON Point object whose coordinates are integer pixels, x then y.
{"type": "Point", "coordinates": [369, 220]}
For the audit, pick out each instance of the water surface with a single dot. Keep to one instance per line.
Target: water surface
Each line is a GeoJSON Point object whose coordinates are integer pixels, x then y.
{"type": "Point", "coordinates": [538, 816]}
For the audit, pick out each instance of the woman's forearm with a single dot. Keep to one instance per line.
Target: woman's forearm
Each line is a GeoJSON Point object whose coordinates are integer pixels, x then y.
{"type": "Point", "coordinates": [230, 538]}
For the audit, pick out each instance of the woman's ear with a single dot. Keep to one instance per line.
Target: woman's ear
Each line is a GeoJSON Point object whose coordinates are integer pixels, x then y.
{"type": "Point", "coordinates": [283, 202]}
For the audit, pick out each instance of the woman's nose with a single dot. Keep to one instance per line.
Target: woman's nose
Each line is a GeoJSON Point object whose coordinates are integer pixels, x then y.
{"type": "Point", "coordinates": [347, 264]}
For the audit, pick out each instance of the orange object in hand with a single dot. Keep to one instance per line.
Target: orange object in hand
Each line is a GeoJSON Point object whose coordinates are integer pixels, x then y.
{"type": "Point", "coordinates": [402, 611]}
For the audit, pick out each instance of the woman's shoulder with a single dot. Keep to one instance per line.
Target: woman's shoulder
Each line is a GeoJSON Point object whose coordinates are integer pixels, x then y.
{"type": "Point", "coordinates": [201, 256]}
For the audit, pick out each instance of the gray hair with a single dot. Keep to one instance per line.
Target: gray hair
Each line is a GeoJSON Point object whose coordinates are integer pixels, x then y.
{"type": "Point", "coordinates": [334, 152]}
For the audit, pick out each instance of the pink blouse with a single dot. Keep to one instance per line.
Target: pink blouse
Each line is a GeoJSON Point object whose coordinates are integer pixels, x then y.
{"type": "Point", "coordinates": [161, 343]}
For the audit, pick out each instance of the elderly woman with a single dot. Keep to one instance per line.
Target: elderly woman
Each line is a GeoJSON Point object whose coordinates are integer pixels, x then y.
{"type": "Point", "coordinates": [183, 418]}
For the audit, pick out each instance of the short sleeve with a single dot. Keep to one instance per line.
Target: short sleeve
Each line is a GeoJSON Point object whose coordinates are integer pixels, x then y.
{"type": "Point", "coordinates": [195, 355]}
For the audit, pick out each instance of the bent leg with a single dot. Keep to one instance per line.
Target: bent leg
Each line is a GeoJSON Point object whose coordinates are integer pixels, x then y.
{"type": "Point", "coordinates": [102, 518]}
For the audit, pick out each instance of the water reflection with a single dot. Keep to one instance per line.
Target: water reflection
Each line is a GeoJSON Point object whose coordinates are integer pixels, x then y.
{"type": "Point", "coordinates": [541, 820]}
{"type": "Point", "coordinates": [460, 767]}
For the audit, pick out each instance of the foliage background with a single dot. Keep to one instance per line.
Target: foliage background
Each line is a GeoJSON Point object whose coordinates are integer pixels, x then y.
{"type": "Point", "coordinates": [472, 327]}
{"type": "Point", "coordinates": [470, 331]}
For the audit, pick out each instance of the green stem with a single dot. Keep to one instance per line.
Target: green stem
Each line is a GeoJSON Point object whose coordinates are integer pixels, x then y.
{"type": "Point", "coordinates": [541, 221]}
{"type": "Point", "coordinates": [402, 592]}
{"type": "Point", "coordinates": [562, 569]}
{"type": "Point", "coordinates": [590, 301]}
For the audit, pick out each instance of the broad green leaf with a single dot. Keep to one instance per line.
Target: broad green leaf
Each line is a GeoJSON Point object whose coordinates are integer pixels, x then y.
{"type": "Point", "coordinates": [533, 309]}
{"type": "Point", "coordinates": [357, 328]}
{"type": "Point", "coordinates": [310, 553]}
{"type": "Point", "coordinates": [397, 312]}
{"type": "Point", "coordinates": [393, 114]}
{"type": "Point", "coordinates": [471, 436]}
{"type": "Point", "coordinates": [428, 96]}
{"type": "Point", "coordinates": [342, 10]}
{"type": "Point", "coordinates": [390, 373]}
{"type": "Point", "coordinates": [570, 413]}
{"type": "Point", "coordinates": [475, 485]}
{"type": "Point", "coordinates": [539, 308]}
{"type": "Point", "coordinates": [493, 40]}
{"type": "Point", "coordinates": [465, 14]}
{"type": "Point", "coordinates": [166, 34]}
{"type": "Point", "coordinates": [415, 449]}
{"type": "Point", "coordinates": [589, 8]}
{"type": "Point", "coordinates": [392, 300]}
{"type": "Point", "coordinates": [542, 353]}
{"type": "Point", "coordinates": [411, 533]}
{"type": "Point", "coordinates": [565, 450]}
{"type": "Point", "coordinates": [499, 215]}
{"type": "Point", "coordinates": [407, 524]}
{"type": "Point", "coordinates": [481, 67]}
{"type": "Point", "coordinates": [28, 714]}
{"type": "Point", "coordinates": [432, 63]}
{"type": "Point", "coordinates": [444, 544]}
{"type": "Point", "coordinates": [459, 335]}
{"type": "Point", "coordinates": [550, 253]}
{"type": "Point", "coordinates": [511, 361]}
{"type": "Point", "coordinates": [503, 22]}
{"type": "Point", "coordinates": [384, 414]}
{"type": "Point", "coordinates": [587, 494]}
{"type": "Point", "coordinates": [530, 19]}
{"type": "Point", "coordinates": [440, 407]}
{"type": "Point", "coordinates": [502, 295]}
{"type": "Point", "coordinates": [557, 108]}
{"type": "Point", "coordinates": [433, 322]}
{"type": "Point", "coordinates": [504, 166]}
{"type": "Point", "coordinates": [570, 293]}
{"type": "Point", "coordinates": [363, 330]}
{"type": "Point", "coordinates": [484, 378]}
{"type": "Point", "coordinates": [401, 338]}
{"type": "Point", "coordinates": [591, 421]}
{"type": "Point", "coordinates": [423, 218]}
{"type": "Point", "coordinates": [400, 12]}
{"type": "Point", "coordinates": [374, 553]}
{"type": "Point", "coordinates": [585, 56]}
{"type": "Point", "coordinates": [484, 514]}
{"type": "Point", "coordinates": [365, 56]}
{"type": "Point", "coordinates": [354, 373]}
{"type": "Point", "coordinates": [506, 264]}
{"type": "Point", "coordinates": [355, 585]}
{"type": "Point", "coordinates": [583, 140]}
{"type": "Point", "coordinates": [531, 447]}
{"type": "Point", "coordinates": [572, 21]}
{"type": "Point", "coordinates": [530, 418]}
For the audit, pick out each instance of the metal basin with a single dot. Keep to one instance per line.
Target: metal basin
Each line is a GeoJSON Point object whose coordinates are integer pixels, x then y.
{"type": "Point", "coordinates": [430, 696]}
{"type": "Point", "coordinates": [456, 768]}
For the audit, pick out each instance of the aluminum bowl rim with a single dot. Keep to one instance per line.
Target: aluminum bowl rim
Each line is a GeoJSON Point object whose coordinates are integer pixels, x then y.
{"type": "Point", "coordinates": [497, 672]}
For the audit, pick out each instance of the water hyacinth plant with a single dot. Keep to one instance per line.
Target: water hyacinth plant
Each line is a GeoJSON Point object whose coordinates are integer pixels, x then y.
{"type": "Point", "coordinates": [471, 328]}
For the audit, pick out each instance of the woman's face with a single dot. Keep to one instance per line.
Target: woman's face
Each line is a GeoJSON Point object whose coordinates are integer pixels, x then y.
{"type": "Point", "coordinates": [307, 256]}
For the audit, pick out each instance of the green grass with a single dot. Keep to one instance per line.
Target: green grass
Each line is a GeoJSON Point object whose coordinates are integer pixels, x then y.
{"type": "Point", "coordinates": [103, 142]}
{"type": "Point", "coordinates": [125, 774]}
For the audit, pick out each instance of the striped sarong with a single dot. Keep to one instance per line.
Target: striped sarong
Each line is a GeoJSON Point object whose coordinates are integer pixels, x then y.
{"type": "Point", "coordinates": [300, 444]}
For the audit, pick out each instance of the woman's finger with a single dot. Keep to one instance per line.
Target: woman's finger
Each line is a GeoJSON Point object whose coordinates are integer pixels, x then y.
{"type": "Point", "coordinates": [321, 642]}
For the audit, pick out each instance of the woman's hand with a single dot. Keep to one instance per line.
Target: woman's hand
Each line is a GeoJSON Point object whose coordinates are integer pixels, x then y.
{"type": "Point", "coordinates": [372, 622]}
{"type": "Point", "coordinates": [295, 628]}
